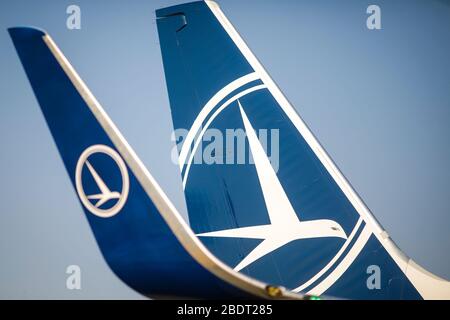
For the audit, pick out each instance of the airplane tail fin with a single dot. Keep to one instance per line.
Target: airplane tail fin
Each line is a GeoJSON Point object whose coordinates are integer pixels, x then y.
{"type": "Point", "coordinates": [140, 233]}
{"type": "Point", "coordinates": [262, 193]}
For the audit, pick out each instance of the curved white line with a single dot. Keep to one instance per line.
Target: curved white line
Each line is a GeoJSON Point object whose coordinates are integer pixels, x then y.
{"type": "Point", "coordinates": [332, 261]}
{"type": "Point", "coordinates": [209, 106]}
{"type": "Point", "coordinates": [343, 266]}
{"type": "Point", "coordinates": [208, 123]}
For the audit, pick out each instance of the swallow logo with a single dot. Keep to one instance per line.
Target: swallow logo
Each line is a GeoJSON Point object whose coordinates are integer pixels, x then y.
{"type": "Point", "coordinates": [285, 223]}
{"type": "Point", "coordinates": [285, 226]}
{"type": "Point", "coordinates": [94, 202]}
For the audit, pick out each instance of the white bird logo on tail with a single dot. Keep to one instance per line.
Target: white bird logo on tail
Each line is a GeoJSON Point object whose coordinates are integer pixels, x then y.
{"type": "Point", "coordinates": [285, 226]}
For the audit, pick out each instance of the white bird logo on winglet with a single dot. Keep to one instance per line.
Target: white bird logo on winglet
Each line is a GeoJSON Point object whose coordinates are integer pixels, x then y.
{"type": "Point", "coordinates": [105, 193]}
{"type": "Point", "coordinates": [285, 226]}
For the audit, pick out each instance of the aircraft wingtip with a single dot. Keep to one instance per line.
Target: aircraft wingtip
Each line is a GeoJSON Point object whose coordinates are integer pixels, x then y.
{"type": "Point", "coordinates": [25, 32]}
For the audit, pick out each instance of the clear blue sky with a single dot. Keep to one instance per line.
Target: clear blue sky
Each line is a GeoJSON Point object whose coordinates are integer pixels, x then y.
{"type": "Point", "coordinates": [379, 102]}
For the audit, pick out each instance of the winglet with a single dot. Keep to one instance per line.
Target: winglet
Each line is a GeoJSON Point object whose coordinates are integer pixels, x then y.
{"type": "Point", "coordinates": [136, 229]}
